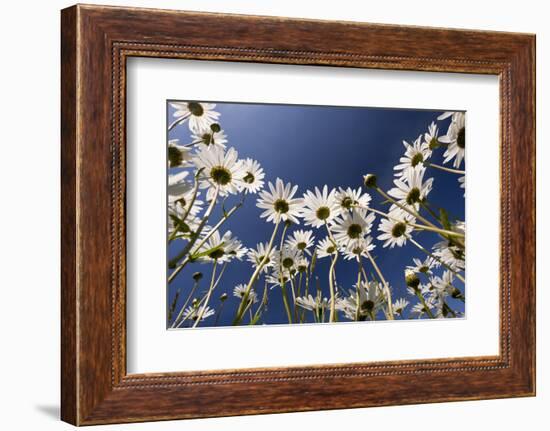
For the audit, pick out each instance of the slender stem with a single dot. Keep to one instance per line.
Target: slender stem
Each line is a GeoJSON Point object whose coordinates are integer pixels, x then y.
{"type": "Point", "coordinates": [176, 320]}
{"type": "Point", "coordinates": [179, 121]}
{"type": "Point", "coordinates": [208, 295]}
{"type": "Point", "coordinates": [192, 241]}
{"type": "Point", "coordinates": [438, 259]}
{"type": "Point", "coordinates": [444, 168]}
{"type": "Point", "coordinates": [419, 226]}
{"type": "Point", "coordinates": [423, 301]}
{"type": "Point", "coordinates": [244, 300]}
{"type": "Point", "coordinates": [332, 316]}
{"type": "Point", "coordinates": [404, 208]}
{"type": "Point", "coordinates": [386, 286]}
{"type": "Point", "coordinates": [357, 291]}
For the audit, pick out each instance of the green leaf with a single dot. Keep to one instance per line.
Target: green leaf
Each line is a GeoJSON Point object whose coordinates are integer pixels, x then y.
{"type": "Point", "coordinates": [444, 218]}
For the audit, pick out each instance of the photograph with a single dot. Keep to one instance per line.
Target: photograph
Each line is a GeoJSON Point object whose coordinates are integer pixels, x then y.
{"type": "Point", "coordinates": [284, 214]}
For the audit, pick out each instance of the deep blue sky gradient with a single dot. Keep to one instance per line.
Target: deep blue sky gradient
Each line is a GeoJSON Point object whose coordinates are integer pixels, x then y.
{"type": "Point", "coordinates": [313, 146]}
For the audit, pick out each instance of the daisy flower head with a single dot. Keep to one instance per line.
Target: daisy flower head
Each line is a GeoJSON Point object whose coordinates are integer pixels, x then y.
{"type": "Point", "coordinates": [326, 247]}
{"type": "Point", "coordinates": [349, 198]}
{"type": "Point", "coordinates": [455, 139]}
{"type": "Point", "coordinates": [419, 309]}
{"type": "Point", "coordinates": [287, 259]}
{"type": "Point", "coordinates": [396, 228]}
{"type": "Point", "coordinates": [363, 301]}
{"type": "Point", "coordinates": [415, 155]}
{"type": "Point", "coordinates": [411, 189]}
{"type": "Point", "coordinates": [399, 306]}
{"type": "Point", "coordinates": [192, 313]}
{"type": "Point", "coordinates": [358, 248]}
{"type": "Point", "coordinates": [222, 248]}
{"type": "Point", "coordinates": [352, 226]}
{"type": "Point", "coordinates": [253, 179]}
{"type": "Point", "coordinates": [183, 212]}
{"type": "Point", "coordinates": [199, 115]}
{"type": "Point", "coordinates": [279, 202]}
{"type": "Point", "coordinates": [221, 170]}
{"type": "Point", "coordinates": [462, 182]}
{"type": "Point", "coordinates": [317, 304]}
{"type": "Point", "coordinates": [240, 290]}
{"type": "Point", "coordinates": [256, 256]}
{"type": "Point", "coordinates": [302, 264]}
{"type": "Point", "coordinates": [279, 276]}
{"type": "Point", "coordinates": [179, 156]}
{"type": "Point", "coordinates": [425, 266]}
{"type": "Point", "coordinates": [430, 137]}
{"type": "Point", "coordinates": [450, 255]}
{"type": "Point", "coordinates": [210, 136]}
{"type": "Point", "coordinates": [178, 185]}
{"type": "Point", "coordinates": [320, 207]}
{"type": "Point", "coordinates": [301, 240]}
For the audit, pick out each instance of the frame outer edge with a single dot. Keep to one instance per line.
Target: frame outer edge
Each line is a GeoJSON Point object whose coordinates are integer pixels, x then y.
{"type": "Point", "coordinates": [69, 196]}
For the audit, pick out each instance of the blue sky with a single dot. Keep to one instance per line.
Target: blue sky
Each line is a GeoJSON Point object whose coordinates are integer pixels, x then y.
{"type": "Point", "coordinates": [313, 146]}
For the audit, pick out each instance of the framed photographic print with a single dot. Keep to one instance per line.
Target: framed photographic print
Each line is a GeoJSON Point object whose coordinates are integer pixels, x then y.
{"type": "Point", "coordinates": [290, 213]}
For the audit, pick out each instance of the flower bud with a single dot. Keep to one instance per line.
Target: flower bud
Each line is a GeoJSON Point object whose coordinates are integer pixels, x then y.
{"type": "Point", "coordinates": [197, 276]}
{"type": "Point", "coordinates": [411, 279]}
{"type": "Point", "coordinates": [369, 180]}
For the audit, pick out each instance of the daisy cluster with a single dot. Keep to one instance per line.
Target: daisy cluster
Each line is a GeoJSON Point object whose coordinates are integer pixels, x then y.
{"type": "Point", "coordinates": [338, 224]}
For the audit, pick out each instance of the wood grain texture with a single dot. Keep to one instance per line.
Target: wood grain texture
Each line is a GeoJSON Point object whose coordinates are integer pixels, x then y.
{"type": "Point", "coordinates": [96, 41]}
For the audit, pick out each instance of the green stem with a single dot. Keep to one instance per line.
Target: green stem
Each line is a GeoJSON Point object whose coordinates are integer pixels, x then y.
{"type": "Point", "coordinates": [444, 168]}
{"type": "Point", "coordinates": [244, 300]}
{"type": "Point", "coordinates": [386, 286]}
{"type": "Point", "coordinates": [332, 315]}
{"type": "Point", "coordinates": [208, 295]}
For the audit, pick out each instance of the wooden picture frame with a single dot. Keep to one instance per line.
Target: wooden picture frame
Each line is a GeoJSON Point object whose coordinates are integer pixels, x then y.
{"type": "Point", "coordinates": [95, 43]}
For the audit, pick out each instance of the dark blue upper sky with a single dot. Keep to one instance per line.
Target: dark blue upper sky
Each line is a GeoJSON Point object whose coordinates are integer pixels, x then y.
{"type": "Point", "coordinates": [313, 146]}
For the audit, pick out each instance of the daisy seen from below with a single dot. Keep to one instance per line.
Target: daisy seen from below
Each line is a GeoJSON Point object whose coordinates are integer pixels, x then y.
{"type": "Point", "coordinates": [253, 179]}
{"type": "Point", "coordinates": [425, 266]}
{"type": "Point", "coordinates": [221, 249]}
{"type": "Point", "coordinates": [279, 202]}
{"type": "Point", "coordinates": [326, 247]}
{"type": "Point", "coordinates": [178, 185]}
{"type": "Point", "coordinates": [320, 206]}
{"type": "Point", "coordinates": [301, 240]}
{"type": "Point", "coordinates": [399, 306]}
{"type": "Point", "coordinates": [221, 170]}
{"type": "Point", "coordinates": [455, 139]}
{"type": "Point", "coordinates": [240, 290]}
{"type": "Point", "coordinates": [349, 198]}
{"type": "Point", "coordinates": [415, 154]}
{"type": "Point", "coordinates": [211, 136]}
{"type": "Point", "coordinates": [352, 226]}
{"type": "Point", "coordinates": [287, 259]}
{"type": "Point", "coordinates": [411, 189]}
{"type": "Point", "coordinates": [431, 136]}
{"type": "Point", "coordinates": [199, 115]}
{"type": "Point", "coordinates": [363, 301]}
{"type": "Point", "coordinates": [179, 156]}
{"type": "Point", "coordinates": [396, 228]}
{"type": "Point", "coordinates": [357, 248]}
{"type": "Point", "coordinates": [192, 313]}
{"type": "Point", "coordinates": [256, 256]}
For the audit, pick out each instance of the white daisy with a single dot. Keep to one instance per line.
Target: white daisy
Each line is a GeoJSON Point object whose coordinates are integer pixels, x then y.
{"type": "Point", "coordinates": [358, 248]}
{"type": "Point", "coordinates": [278, 274]}
{"type": "Point", "coordinates": [252, 181]}
{"type": "Point", "coordinates": [419, 309]}
{"type": "Point", "coordinates": [399, 306]}
{"type": "Point", "coordinates": [240, 290]}
{"type": "Point", "coordinates": [178, 185]}
{"type": "Point", "coordinates": [425, 266]}
{"type": "Point", "coordinates": [396, 229]}
{"type": "Point", "coordinates": [210, 136]}
{"type": "Point", "coordinates": [220, 169]}
{"type": "Point", "coordinates": [279, 202]}
{"type": "Point", "coordinates": [179, 156]}
{"type": "Point", "coordinates": [287, 258]}
{"type": "Point", "coordinates": [349, 198]}
{"type": "Point", "coordinates": [415, 154]}
{"type": "Point", "coordinates": [222, 249]}
{"type": "Point", "coordinates": [192, 313]}
{"type": "Point", "coordinates": [313, 304]}
{"type": "Point", "coordinates": [430, 138]}
{"type": "Point", "coordinates": [352, 226]}
{"type": "Point", "coordinates": [450, 255]}
{"type": "Point", "coordinates": [363, 302]}
{"type": "Point", "coordinates": [325, 248]}
{"type": "Point", "coordinates": [455, 137]}
{"type": "Point", "coordinates": [462, 182]}
{"type": "Point", "coordinates": [200, 115]}
{"type": "Point", "coordinates": [301, 240]}
{"type": "Point", "coordinates": [184, 207]}
{"type": "Point", "coordinates": [411, 188]}
{"type": "Point", "coordinates": [257, 255]}
{"type": "Point", "coordinates": [320, 207]}
{"type": "Point", "coordinates": [302, 264]}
